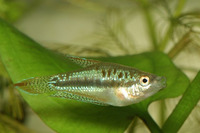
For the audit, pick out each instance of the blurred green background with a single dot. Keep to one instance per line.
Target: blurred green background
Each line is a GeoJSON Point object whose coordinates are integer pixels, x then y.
{"type": "Point", "coordinates": [110, 28]}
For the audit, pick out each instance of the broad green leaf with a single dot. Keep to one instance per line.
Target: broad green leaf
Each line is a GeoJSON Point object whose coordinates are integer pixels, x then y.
{"type": "Point", "coordinates": [24, 58]}
{"type": "Point", "coordinates": [189, 100]}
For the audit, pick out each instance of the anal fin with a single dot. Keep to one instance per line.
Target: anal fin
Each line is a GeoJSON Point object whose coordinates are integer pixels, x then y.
{"type": "Point", "coordinates": [76, 97]}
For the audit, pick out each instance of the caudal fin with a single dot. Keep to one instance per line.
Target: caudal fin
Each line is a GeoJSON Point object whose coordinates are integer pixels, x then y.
{"type": "Point", "coordinates": [36, 85]}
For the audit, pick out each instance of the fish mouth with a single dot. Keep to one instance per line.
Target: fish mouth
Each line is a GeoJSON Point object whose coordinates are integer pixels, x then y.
{"type": "Point", "coordinates": [157, 85]}
{"type": "Point", "coordinates": [161, 82]}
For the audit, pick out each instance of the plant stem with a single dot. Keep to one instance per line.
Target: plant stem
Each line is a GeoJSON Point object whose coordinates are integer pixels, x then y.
{"type": "Point", "coordinates": [21, 128]}
{"type": "Point", "coordinates": [3, 128]}
{"type": "Point", "coordinates": [179, 7]}
{"type": "Point", "coordinates": [185, 40]}
{"type": "Point", "coordinates": [150, 123]}
{"type": "Point", "coordinates": [142, 112]}
{"type": "Point", "coordinates": [132, 125]}
{"type": "Point", "coordinates": [166, 6]}
{"type": "Point", "coordinates": [184, 107]}
{"type": "Point", "coordinates": [162, 111]}
{"type": "Point", "coordinates": [164, 42]}
{"type": "Point", "coordinates": [150, 24]}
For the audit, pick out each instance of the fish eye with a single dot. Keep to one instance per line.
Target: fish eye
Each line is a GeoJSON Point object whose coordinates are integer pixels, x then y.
{"type": "Point", "coordinates": [144, 80]}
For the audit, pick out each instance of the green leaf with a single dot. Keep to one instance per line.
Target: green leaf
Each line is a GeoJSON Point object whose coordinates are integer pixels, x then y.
{"type": "Point", "coordinates": [24, 58]}
{"type": "Point", "coordinates": [189, 100]}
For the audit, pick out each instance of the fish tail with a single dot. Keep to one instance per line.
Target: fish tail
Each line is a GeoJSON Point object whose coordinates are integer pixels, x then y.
{"type": "Point", "coordinates": [36, 85]}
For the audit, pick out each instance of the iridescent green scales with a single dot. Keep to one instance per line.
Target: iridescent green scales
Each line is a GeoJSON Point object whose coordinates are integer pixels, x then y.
{"type": "Point", "coordinates": [98, 83]}
{"type": "Point", "coordinates": [35, 85]}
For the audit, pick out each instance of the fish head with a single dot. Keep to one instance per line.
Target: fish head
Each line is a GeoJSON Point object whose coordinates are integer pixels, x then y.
{"type": "Point", "coordinates": [143, 86]}
{"type": "Point", "coordinates": [149, 84]}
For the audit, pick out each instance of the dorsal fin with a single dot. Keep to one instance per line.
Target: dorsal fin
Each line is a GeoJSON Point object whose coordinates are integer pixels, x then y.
{"type": "Point", "coordinates": [82, 61]}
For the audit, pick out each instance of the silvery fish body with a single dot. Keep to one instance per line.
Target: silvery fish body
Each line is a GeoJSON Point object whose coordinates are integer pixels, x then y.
{"type": "Point", "coordinates": [99, 83]}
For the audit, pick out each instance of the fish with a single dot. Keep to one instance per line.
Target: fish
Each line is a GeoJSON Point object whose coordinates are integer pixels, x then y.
{"type": "Point", "coordinates": [101, 83]}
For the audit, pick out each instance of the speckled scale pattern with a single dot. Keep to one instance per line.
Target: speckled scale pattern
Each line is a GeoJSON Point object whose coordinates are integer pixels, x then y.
{"type": "Point", "coordinates": [98, 83]}
{"type": "Point", "coordinates": [88, 79]}
{"type": "Point", "coordinates": [34, 85]}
